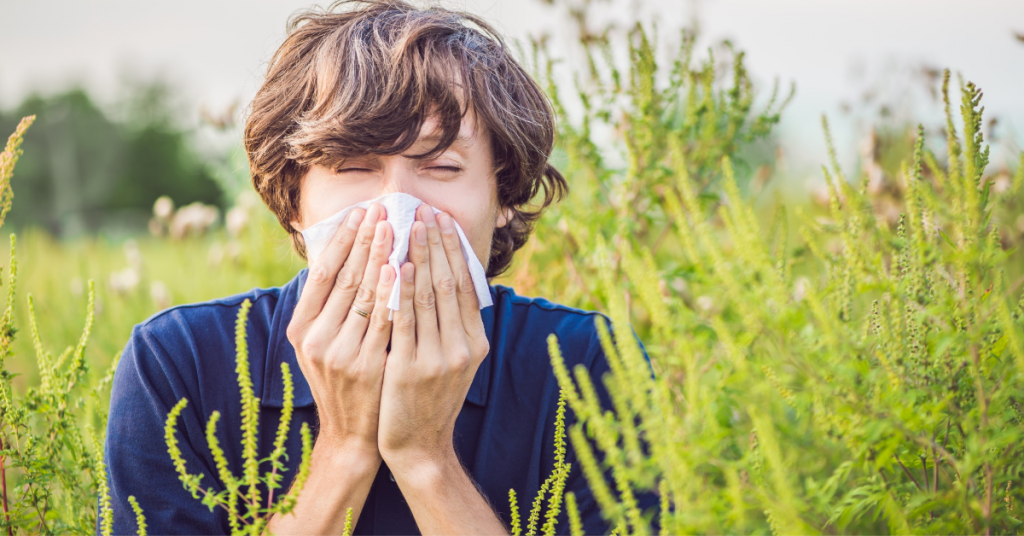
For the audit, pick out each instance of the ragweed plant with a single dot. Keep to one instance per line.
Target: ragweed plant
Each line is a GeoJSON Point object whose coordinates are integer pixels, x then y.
{"type": "Point", "coordinates": [554, 485]}
{"type": "Point", "coordinates": [854, 376]}
{"type": "Point", "coordinates": [44, 432]}
{"type": "Point", "coordinates": [247, 511]}
{"type": "Point", "coordinates": [651, 105]}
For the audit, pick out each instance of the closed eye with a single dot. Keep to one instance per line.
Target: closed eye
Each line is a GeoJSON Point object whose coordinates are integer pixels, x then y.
{"type": "Point", "coordinates": [446, 168]}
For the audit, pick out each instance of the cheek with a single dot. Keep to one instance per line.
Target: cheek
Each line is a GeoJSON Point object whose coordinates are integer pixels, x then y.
{"type": "Point", "coordinates": [478, 225]}
{"type": "Point", "coordinates": [321, 199]}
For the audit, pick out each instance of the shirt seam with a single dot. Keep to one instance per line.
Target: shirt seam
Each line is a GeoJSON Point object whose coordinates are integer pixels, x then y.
{"type": "Point", "coordinates": [550, 306]}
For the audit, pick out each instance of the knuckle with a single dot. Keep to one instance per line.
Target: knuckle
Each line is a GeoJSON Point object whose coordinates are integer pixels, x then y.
{"type": "Point", "coordinates": [364, 238]}
{"type": "Point", "coordinates": [446, 285]}
{"type": "Point", "coordinates": [294, 332]}
{"type": "Point", "coordinates": [379, 321]}
{"type": "Point", "coordinates": [383, 292]}
{"type": "Point", "coordinates": [338, 365]}
{"type": "Point", "coordinates": [310, 348]}
{"type": "Point", "coordinates": [466, 284]}
{"type": "Point", "coordinates": [318, 273]}
{"type": "Point", "coordinates": [425, 299]}
{"type": "Point", "coordinates": [405, 322]}
{"type": "Point", "coordinates": [344, 237]}
{"type": "Point", "coordinates": [481, 348]}
{"type": "Point", "coordinates": [380, 253]}
{"type": "Point", "coordinates": [366, 294]}
{"type": "Point", "coordinates": [453, 247]}
{"type": "Point", "coordinates": [347, 281]}
{"type": "Point", "coordinates": [460, 359]}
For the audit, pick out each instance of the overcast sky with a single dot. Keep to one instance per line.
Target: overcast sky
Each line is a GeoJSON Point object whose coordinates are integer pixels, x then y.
{"type": "Point", "coordinates": [215, 50]}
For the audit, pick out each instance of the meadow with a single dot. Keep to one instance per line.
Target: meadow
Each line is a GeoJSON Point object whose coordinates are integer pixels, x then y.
{"type": "Point", "coordinates": [850, 362]}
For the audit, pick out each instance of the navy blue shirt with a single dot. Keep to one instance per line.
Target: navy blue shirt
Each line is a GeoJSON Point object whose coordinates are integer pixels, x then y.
{"type": "Point", "coordinates": [504, 434]}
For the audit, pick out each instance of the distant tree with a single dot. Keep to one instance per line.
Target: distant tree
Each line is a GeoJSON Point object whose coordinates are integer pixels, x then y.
{"type": "Point", "coordinates": [87, 169]}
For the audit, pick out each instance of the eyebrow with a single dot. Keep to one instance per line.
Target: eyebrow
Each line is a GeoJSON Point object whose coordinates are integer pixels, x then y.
{"type": "Point", "coordinates": [436, 138]}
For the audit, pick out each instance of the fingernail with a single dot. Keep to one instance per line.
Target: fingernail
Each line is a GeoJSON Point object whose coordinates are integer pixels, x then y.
{"type": "Point", "coordinates": [408, 274]}
{"type": "Point", "coordinates": [428, 217]}
{"type": "Point", "coordinates": [354, 219]}
{"type": "Point", "coordinates": [445, 221]}
{"type": "Point", "coordinates": [373, 212]}
{"type": "Point", "coordinates": [379, 234]}
{"type": "Point", "coordinates": [421, 235]}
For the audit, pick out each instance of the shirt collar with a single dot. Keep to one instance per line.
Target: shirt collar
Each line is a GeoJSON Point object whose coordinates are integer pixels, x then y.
{"type": "Point", "coordinates": [280, 350]}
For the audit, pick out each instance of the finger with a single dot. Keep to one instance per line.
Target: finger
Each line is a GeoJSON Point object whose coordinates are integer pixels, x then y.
{"type": "Point", "coordinates": [424, 302]}
{"type": "Point", "coordinates": [441, 277]}
{"type": "Point", "coordinates": [469, 304]}
{"type": "Point", "coordinates": [354, 325]}
{"type": "Point", "coordinates": [379, 331]}
{"type": "Point", "coordinates": [351, 274]}
{"type": "Point", "coordinates": [403, 327]}
{"type": "Point", "coordinates": [324, 270]}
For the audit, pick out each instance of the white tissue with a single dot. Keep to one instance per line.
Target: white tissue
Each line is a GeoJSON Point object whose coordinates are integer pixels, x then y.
{"type": "Point", "coordinates": [401, 213]}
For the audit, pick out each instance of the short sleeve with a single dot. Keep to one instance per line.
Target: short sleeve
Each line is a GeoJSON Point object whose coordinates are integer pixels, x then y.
{"type": "Point", "coordinates": [590, 510]}
{"type": "Point", "coordinates": [146, 385]}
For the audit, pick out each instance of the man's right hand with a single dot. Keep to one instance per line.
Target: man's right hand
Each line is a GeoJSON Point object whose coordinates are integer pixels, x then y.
{"type": "Point", "coordinates": [341, 353]}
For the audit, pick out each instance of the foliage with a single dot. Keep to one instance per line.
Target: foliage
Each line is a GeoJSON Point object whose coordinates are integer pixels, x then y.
{"type": "Point", "coordinates": [243, 490]}
{"type": "Point", "coordinates": [554, 484]}
{"type": "Point", "coordinates": [42, 447]}
{"type": "Point", "coordinates": [861, 378]}
{"type": "Point", "coordinates": [651, 111]}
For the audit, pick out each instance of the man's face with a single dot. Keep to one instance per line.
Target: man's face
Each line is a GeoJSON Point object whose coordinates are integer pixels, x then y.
{"type": "Point", "coordinates": [460, 181]}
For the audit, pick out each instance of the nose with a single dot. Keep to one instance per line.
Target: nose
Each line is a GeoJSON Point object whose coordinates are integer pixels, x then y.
{"type": "Point", "coordinates": [399, 175]}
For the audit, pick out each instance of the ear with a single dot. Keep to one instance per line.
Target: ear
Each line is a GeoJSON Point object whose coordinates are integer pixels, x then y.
{"type": "Point", "coordinates": [295, 225]}
{"type": "Point", "coordinates": [505, 215]}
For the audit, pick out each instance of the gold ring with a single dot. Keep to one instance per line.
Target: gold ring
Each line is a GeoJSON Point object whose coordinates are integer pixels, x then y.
{"type": "Point", "coordinates": [360, 312]}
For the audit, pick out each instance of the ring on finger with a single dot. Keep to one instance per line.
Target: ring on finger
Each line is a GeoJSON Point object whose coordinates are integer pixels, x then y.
{"type": "Point", "coordinates": [360, 312]}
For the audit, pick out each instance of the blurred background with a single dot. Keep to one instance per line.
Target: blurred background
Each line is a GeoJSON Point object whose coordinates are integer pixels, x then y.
{"type": "Point", "coordinates": [140, 100]}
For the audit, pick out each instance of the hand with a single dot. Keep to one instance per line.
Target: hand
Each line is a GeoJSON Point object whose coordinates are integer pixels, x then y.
{"type": "Point", "coordinates": [437, 343]}
{"type": "Point", "coordinates": [340, 352]}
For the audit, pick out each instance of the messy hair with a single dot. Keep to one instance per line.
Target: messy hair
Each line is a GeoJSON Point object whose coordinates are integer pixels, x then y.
{"type": "Point", "coordinates": [364, 78]}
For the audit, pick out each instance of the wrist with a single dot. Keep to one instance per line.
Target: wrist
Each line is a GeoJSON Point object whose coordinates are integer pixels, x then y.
{"type": "Point", "coordinates": [425, 471]}
{"type": "Point", "coordinates": [350, 458]}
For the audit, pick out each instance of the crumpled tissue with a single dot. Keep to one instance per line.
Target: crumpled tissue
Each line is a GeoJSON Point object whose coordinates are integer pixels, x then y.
{"type": "Point", "coordinates": [401, 213]}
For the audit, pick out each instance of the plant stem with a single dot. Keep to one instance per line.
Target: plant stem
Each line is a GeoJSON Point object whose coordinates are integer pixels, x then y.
{"type": "Point", "coordinates": [3, 490]}
{"type": "Point", "coordinates": [924, 464]}
{"type": "Point", "coordinates": [912, 479]}
{"type": "Point", "coordinates": [270, 492]}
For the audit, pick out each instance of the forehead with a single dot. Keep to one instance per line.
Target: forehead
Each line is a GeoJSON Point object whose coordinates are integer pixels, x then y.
{"type": "Point", "coordinates": [470, 131]}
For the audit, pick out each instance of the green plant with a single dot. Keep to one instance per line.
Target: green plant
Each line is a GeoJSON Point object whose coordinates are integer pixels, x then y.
{"type": "Point", "coordinates": [554, 484]}
{"type": "Point", "coordinates": [650, 107]}
{"type": "Point", "coordinates": [861, 378]}
{"type": "Point", "coordinates": [55, 477]}
{"type": "Point", "coordinates": [243, 490]}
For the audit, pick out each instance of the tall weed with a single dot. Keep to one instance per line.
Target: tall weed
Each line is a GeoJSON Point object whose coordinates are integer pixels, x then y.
{"type": "Point", "coordinates": [851, 376]}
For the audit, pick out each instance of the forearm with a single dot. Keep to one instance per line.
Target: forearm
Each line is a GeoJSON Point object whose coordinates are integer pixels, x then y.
{"type": "Point", "coordinates": [444, 500]}
{"type": "Point", "coordinates": [339, 479]}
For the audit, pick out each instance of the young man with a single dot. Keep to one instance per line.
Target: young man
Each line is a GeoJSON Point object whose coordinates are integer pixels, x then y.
{"type": "Point", "coordinates": [423, 421]}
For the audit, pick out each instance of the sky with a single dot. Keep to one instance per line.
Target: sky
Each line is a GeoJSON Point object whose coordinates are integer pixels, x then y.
{"type": "Point", "coordinates": [215, 51]}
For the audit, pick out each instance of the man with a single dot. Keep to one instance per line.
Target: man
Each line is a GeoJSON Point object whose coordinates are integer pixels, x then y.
{"type": "Point", "coordinates": [423, 421]}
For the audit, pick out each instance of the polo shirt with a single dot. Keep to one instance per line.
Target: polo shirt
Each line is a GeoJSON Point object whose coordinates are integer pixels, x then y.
{"type": "Point", "coordinates": [504, 434]}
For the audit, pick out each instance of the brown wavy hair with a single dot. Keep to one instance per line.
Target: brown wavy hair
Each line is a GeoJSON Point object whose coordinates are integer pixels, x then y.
{"type": "Point", "coordinates": [362, 80]}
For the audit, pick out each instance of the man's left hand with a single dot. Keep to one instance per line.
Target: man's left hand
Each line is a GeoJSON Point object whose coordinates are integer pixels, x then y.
{"type": "Point", "coordinates": [437, 343]}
